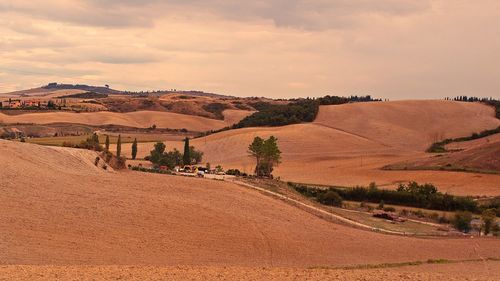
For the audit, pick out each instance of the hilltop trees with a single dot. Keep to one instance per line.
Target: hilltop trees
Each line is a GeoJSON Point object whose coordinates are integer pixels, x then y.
{"type": "Point", "coordinates": [267, 155]}
{"type": "Point", "coordinates": [134, 149]}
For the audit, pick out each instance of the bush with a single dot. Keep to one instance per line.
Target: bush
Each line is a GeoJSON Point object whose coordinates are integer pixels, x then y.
{"type": "Point", "coordinates": [233, 172]}
{"type": "Point", "coordinates": [462, 221]}
{"type": "Point", "coordinates": [331, 198]}
{"type": "Point", "coordinates": [413, 195]}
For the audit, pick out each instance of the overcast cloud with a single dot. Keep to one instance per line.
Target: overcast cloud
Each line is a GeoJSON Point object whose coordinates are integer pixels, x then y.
{"type": "Point", "coordinates": [280, 48]}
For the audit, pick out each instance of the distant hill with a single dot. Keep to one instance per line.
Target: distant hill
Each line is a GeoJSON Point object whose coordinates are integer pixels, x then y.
{"type": "Point", "coordinates": [54, 86]}
{"type": "Point", "coordinates": [87, 88]}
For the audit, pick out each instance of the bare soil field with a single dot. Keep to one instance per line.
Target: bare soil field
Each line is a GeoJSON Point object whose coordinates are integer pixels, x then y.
{"type": "Point", "coordinates": [484, 158]}
{"type": "Point", "coordinates": [58, 209]}
{"type": "Point", "coordinates": [349, 144]}
{"type": "Point", "coordinates": [434, 272]}
{"type": "Point", "coordinates": [139, 119]}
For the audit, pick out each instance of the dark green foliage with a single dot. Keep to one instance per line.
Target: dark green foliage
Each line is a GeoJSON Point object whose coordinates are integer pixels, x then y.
{"type": "Point", "coordinates": [414, 195]}
{"type": "Point", "coordinates": [173, 158]}
{"type": "Point", "coordinates": [488, 217]}
{"type": "Point", "coordinates": [51, 105]}
{"type": "Point", "coordinates": [91, 143]}
{"type": "Point", "coordinates": [331, 198]}
{"type": "Point", "coordinates": [267, 155]}
{"type": "Point", "coordinates": [216, 108]}
{"type": "Point", "coordinates": [134, 149]}
{"type": "Point", "coordinates": [107, 143]}
{"type": "Point", "coordinates": [233, 172]}
{"type": "Point", "coordinates": [493, 204]}
{"type": "Point", "coordinates": [119, 146]}
{"type": "Point", "coordinates": [296, 111]}
{"type": "Point", "coordinates": [186, 157]}
{"type": "Point", "coordinates": [462, 221]}
{"type": "Point", "coordinates": [281, 114]}
{"type": "Point", "coordinates": [195, 156]}
{"type": "Point", "coordinates": [86, 95]}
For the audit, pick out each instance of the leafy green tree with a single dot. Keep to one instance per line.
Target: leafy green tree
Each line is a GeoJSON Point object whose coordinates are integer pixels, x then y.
{"type": "Point", "coordinates": [186, 156]}
{"type": "Point", "coordinates": [462, 221]}
{"type": "Point", "coordinates": [266, 153]}
{"type": "Point", "coordinates": [156, 155]}
{"type": "Point", "coordinates": [134, 149]}
{"type": "Point", "coordinates": [119, 146]}
{"type": "Point", "coordinates": [488, 217]}
{"type": "Point", "coordinates": [195, 155]}
{"type": "Point", "coordinates": [107, 143]}
{"type": "Point", "coordinates": [95, 142]}
{"type": "Point", "coordinates": [330, 198]}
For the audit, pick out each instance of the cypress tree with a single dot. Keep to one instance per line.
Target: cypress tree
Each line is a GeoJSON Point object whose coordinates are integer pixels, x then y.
{"type": "Point", "coordinates": [107, 143]}
{"type": "Point", "coordinates": [119, 146]}
{"type": "Point", "coordinates": [134, 149]}
{"type": "Point", "coordinates": [186, 158]}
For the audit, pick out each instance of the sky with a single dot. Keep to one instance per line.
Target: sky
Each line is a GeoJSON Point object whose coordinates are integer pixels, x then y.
{"type": "Point", "coordinates": [395, 49]}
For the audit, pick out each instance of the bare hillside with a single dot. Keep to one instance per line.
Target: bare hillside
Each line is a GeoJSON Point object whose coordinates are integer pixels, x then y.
{"type": "Point", "coordinates": [57, 209]}
{"type": "Point", "coordinates": [139, 119]}
{"type": "Point", "coordinates": [349, 144]}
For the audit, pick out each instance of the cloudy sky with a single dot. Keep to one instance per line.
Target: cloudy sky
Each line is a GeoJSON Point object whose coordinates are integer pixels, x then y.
{"type": "Point", "coordinates": [395, 49]}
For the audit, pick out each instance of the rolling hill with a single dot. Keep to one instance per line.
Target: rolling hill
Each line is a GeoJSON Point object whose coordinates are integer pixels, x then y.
{"type": "Point", "coordinates": [348, 144]}
{"type": "Point", "coordinates": [139, 119]}
{"type": "Point", "coordinates": [58, 209]}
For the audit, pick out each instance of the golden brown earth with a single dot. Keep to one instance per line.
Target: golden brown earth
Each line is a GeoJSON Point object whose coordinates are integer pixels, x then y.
{"type": "Point", "coordinates": [63, 218]}
{"type": "Point", "coordinates": [348, 145]}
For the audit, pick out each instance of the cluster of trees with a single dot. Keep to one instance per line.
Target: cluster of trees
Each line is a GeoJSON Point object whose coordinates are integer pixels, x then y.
{"type": "Point", "coordinates": [294, 112]}
{"type": "Point", "coordinates": [462, 222]}
{"type": "Point", "coordinates": [216, 108]}
{"type": "Point", "coordinates": [160, 157]}
{"type": "Point", "coordinates": [91, 143]}
{"type": "Point", "coordinates": [280, 114]}
{"type": "Point", "coordinates": [413, 195]}
{"type": "Point", "coordinates": [267, 155]}
{"type": "Point", "coordinates": [489, 101]}
{"type": "Point", "coordinates": [332, 100]}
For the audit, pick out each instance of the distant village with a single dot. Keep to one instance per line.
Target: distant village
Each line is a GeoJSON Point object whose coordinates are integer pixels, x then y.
{"type": "Point", "coordinates": [32, 104]}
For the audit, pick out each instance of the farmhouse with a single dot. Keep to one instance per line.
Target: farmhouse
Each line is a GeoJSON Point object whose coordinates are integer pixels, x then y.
{"type": "Point", "coordinates": [12, 103]}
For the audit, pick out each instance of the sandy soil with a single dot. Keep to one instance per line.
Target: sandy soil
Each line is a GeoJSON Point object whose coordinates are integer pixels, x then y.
{"type": "Point", "coordinates": [459, 271]}
{"type": "Point", "coordinates": [140, 119]}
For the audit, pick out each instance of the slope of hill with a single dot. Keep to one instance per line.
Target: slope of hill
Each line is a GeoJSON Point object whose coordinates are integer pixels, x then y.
{"type": "Point", "coordinates": [349, 144]}
{"type": "Point", "coordinates": [139, 119]}
{"type": "Point", "coordinates": [477, 156]}
{"type": "Point", "coordinates": [411, 125]}
{"type": "Point", "coordinates": [57, 209]}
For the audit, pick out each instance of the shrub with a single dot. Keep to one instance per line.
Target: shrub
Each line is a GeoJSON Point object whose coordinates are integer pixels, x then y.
{"type": "Point", "coordinates": [419, 196]}
{"type": "Point", "coordinates": [331, 198]}
{"type": "Point", "coordinates": [488, 217]}
{"type": "Point", "coordinates": [233, 172]}
{"type": "Point", "coordinates": [462, 221]}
